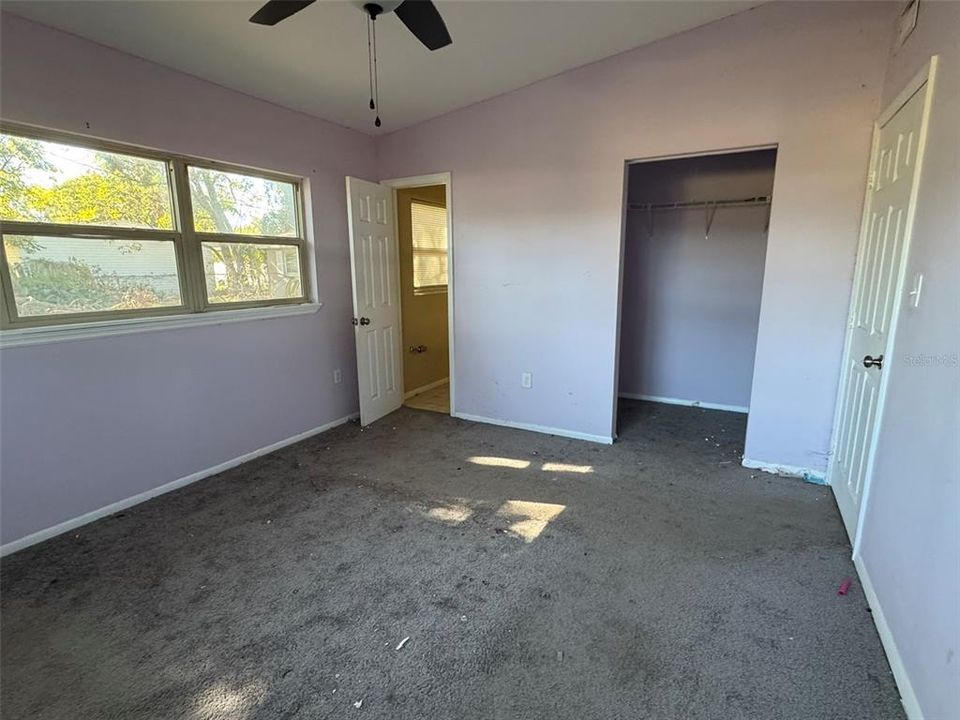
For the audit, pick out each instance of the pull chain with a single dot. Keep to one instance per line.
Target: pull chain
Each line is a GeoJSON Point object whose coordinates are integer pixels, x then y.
{"type": "Point", "coordinates": [373, 105]}
{"type": "Point", "coordinates": [372, 11]}
{"type": "Point", "coordinates": [376, 79]}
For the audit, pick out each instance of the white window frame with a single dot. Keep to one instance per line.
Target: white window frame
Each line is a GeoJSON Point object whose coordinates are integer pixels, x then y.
{"type": "Point", "coordinates": [186, 240]}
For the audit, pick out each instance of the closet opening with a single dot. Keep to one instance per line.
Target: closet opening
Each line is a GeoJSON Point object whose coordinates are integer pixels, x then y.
{"type": "Point", "coordinates": [695, 241]}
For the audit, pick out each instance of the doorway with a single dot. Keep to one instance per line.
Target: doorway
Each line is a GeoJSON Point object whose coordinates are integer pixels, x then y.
{"type": "Point", "coordinates": [402, 355]}
{"type": "Point", "coordinates": [422, 236]}
{"type": "Point", "coordinates": [695, 238]}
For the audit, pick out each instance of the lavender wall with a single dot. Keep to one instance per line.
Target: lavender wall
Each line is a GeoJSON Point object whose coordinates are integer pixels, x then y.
{"type": "Point", "coordinates": [538, 177]}
{"type": "Point", "coordinates": [89, 423]}
{"type": "Point", "coordinates": [691, 303]}
{"type": "Point", "coordinates": [910, 535]}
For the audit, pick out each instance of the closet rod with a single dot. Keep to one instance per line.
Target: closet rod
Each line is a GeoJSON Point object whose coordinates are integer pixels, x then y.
{"type": "Point", "coordinates": [743, 202]}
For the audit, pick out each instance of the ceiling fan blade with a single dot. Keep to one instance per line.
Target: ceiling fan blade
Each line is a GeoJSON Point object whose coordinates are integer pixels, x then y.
{"type": "Point", "coordinates": [423, 20]}
{"type": "Point", "coordinates": [277, 10]}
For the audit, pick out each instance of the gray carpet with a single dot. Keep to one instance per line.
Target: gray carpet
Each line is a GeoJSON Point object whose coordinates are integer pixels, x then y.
{"type": "Point", "coordinates": [666, 582]}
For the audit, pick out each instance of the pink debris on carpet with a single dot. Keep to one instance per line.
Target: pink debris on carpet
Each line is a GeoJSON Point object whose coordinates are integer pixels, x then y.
{"type": "Point", "coordinates": [844, 586]}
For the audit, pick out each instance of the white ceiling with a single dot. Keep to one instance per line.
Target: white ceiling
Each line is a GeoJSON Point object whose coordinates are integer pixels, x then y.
{"type": "Point", "coordinates": [316, 61]}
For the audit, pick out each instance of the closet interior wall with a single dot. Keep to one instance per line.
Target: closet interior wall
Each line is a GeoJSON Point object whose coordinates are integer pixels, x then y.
{"type": "Point", "coordinates": [693, 277]}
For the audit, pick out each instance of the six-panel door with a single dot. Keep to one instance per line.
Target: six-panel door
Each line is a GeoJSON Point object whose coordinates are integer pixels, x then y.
{"type": "Point", "coordinates": [874, 302]}
{"type": "Point", "coordinates": [376, 298]}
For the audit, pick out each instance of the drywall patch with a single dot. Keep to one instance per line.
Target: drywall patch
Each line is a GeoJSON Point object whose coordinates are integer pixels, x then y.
{"type": "Point", "coordinates": [815, 478]}
{"type": "Point", "coordinates": [808, 475]}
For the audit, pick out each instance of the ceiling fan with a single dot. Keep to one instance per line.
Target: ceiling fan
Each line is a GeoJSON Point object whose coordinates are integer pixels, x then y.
{"type": "Point", "coordinates": [420, 16]}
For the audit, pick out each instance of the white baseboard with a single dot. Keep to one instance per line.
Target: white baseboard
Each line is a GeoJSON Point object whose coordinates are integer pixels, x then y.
{"type": "Point", "coordinates": [68, 525]}
{"type": "Point", "coordinates": [817, 477]}
{"type": "Point", "coordinates": [909, 699]}
{"type": "Point", "coordinates": [687, 403]}
{"type": "Point", "coordinates": [604, 439]}
{"type": "Point", "coordinates": [423, 388]}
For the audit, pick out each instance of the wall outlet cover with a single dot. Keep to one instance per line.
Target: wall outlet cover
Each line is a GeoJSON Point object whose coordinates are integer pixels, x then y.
{"type": "Point", "coordinates": [526, 380]}
{"type": "Point", "coordinates": [337, 376]}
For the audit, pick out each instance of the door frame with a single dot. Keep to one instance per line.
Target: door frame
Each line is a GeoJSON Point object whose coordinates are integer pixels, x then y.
{"type": "Point", "coordinates": [624, 209]}
{"type": "Point", "coordinates": [414, 181]}
{"type": "Point", "coordinates": [926, 76]}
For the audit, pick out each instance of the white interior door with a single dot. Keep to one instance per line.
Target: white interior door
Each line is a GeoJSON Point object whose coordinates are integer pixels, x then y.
{"type": "Point", "coordinates": [376, 298]}
{"type": "Point", "coordinates": [877, 288]}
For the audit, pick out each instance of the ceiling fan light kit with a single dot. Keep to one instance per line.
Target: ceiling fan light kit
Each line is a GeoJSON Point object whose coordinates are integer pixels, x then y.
{"type": "Point", "coordinates": [420, 17]}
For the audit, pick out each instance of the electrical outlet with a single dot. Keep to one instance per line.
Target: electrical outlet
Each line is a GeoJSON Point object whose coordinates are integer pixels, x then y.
{"type": "Point", "coordinates": [526, 380]}
{"type": "Point", "coordinates": [337, 376]}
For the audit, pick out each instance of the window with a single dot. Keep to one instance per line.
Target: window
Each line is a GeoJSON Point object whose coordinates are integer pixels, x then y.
{"type": "Point", "coordinates": [249, 236]}
{"type": "Point", "coordinates": [97, 231]}
{"type": "Point", "coordinates": [428, 224]}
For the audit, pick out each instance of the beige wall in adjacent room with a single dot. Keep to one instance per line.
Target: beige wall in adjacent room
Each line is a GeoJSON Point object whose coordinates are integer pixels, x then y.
{"type": "Point", "coordinates": [424, 316]}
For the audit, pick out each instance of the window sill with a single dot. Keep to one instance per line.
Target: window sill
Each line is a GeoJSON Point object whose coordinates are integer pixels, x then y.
{"type": "Point", "coordinates": [107, 328]}
{"type": "Point", "coordinates": [430, 290]}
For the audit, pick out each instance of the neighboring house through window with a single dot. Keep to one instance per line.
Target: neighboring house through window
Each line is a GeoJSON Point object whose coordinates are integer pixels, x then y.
{"type": "Point", "coordinates": [96, 231]}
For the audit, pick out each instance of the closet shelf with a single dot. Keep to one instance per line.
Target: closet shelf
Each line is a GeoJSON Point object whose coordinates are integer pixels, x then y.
{"type": "Point", "coordinates": [694, 204]}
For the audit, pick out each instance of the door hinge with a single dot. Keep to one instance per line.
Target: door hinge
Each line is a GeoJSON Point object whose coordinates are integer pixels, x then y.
{"type": "Point", "coordinates": [872, 181]}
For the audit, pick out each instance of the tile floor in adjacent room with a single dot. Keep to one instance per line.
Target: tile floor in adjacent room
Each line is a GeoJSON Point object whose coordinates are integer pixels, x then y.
{"type": "Point", "coordinates": [436, 400]}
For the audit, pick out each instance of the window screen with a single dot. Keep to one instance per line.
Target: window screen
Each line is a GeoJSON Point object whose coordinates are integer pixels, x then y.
{"type": "Point", "coordinates": [429, 231]}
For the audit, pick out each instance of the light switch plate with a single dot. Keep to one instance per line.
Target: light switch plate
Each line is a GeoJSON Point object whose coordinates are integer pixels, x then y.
{"type": "Point", "coordinates": [526, 380]}
{"type": "Point", "coordinates": [915, 292]}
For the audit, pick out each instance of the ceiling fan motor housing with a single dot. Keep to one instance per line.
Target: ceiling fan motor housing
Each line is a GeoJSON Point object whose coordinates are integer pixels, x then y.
{"type": "Point", "coordinates": [385, 6]}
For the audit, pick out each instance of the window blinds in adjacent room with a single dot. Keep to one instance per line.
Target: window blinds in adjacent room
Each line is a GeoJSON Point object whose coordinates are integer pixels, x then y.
{"type": "Point", "coordinates": [429, 233]}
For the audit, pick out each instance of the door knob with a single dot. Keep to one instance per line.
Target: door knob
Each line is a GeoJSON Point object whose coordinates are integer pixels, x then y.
{"type": "Point", "coordinates": [876, 362]}
{"type": "Point", "coordinates": [364, 321]}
